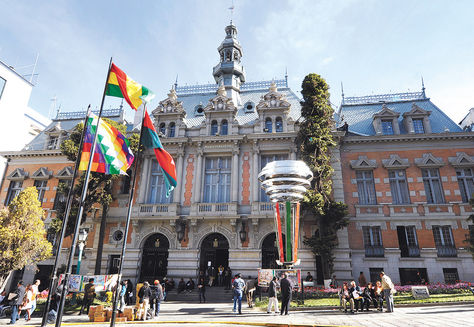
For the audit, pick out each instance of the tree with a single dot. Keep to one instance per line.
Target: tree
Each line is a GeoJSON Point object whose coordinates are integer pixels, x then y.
{"type": "Point", "coordinates": [22, 234]}
{"type": "Point", "coordinates": [314, 141]}
{"type": "Point", "coordinates": [99, 190]}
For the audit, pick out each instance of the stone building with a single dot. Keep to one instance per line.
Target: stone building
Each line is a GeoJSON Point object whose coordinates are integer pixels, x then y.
{"type": "Point", "coordinates": [408, 176]}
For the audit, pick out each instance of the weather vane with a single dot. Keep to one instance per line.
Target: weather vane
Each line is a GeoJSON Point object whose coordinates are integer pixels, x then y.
{"type": "Point", "coordinates": [231, 8]}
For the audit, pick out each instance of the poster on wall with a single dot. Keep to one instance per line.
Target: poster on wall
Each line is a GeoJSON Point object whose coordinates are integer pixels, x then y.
{"type": "Point", "coordinates": [265, 276]}
{"type": "Point", "coordinates": [294, 275]}
{"type": "Point", "coordinates": [101, 282]}
{"type": "Point", "coordinates": [75, 283]}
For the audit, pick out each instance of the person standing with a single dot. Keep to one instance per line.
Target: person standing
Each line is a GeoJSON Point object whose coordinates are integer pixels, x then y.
{"type": "Point", "coordinates": [220, 276]}
{"type": "Point", "coordinates": [202, 289]}
{"type": "Point", "coordinates": [286, 289]}
{"type": "Point", "coordinates": [309, 277]}
{"type": "Point", "coordinates": [158, 297]}
{"type": "Point", "coordinates": [16, 301]}
{"type": "Point", "coordinates": [34, 289]}
{"type": "Point", "coordinates": [362, 280]}
{"type": "Point", "coordinates": [144, 294]}
{"type": "Point", "coordinates": [129, 296]}
{"type": "Point", "coordinates": [227, 278]}
{"type": "Point", "coordinates": [238, 286]}
{"type": "Point", "coordinates": [272, 296]}
{"type": "Point", "coordinates": [122, 295]}
{"type": "Point", "coordinates": [250, 288]}
{"type": "Point", "coordinates": [27, 302]}
{"type": "Point", "coordinates": [89, 296]}
{"type": "Point", "coordinates": [388, 290]}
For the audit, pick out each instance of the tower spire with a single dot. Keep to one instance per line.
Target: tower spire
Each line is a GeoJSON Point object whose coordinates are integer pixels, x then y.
{"type": "Point", "coordinates": [286, 76]}
{"type": "Point", "coordinates": [423, 87]}
{"type": "Point", "coordinates": [342, 92]}
{"type": "Point", "coordinates": [176, 83]}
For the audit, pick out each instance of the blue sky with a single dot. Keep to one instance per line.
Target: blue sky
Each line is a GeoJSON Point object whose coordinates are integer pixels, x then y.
{"type": "Point", "coordinates": [371, 46]}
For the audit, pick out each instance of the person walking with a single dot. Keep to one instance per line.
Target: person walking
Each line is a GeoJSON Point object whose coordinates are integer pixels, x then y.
{"type": "Point", "coordinates": [202, 289]}
{"type": "Point", "coordinates": [158, 296]}
{"type": "Point", "coordinates": [238, 286]}
{"type": "Point", "coordinates": [388, 290]}
{"type": "Point", "coordinates": [16, 301]}
{"type": "Point", "coordinates": [250, 288]}
{"type": "Point", "coordinates": [286, 289]}
{"type": "Point", "coordinates": [27, 302]}
{"type": "Point", "coordinates": [272, 296]}
{"type": "Point", "coordinates": [144, 295]}
{"type": "Point", "coordinates": [129, 296]}
{"type": "Point", "coordinates": [89, 296]}
{"type": "Point", "coordinates": [34, 289]}
{"type": "Point", "coordinates": [122, 295]}
{"type": "Point", "coordinates": [220, 275]}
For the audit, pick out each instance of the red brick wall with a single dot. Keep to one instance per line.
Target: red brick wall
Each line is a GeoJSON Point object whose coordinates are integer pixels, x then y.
{"type": "Point", "coordinates": [189, 181]}
{"type": "Point", "coordinates": [246, 179]}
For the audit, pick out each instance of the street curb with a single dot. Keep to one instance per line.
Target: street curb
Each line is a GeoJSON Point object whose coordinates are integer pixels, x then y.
{"type": "Point", "coordinates": [241, 323]}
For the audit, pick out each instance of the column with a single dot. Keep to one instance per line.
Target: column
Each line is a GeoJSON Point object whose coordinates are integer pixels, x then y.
{"type": "Point", "coordinates": [254, 182]}
{"type": "Point", "coordinates": [197, 177]}
{"type": "Point", "coordinates": [143, 182]}
{"type": "Point", "coordinates": [235, 174]}
{"type": "Point", "coordinates": [179, 176]}
{"type": "Point", "coordinates": [293, 153]}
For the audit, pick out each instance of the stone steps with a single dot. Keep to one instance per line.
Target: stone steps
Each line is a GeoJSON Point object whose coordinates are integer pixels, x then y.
{"type": "Point", "coordinates": [213, 295]}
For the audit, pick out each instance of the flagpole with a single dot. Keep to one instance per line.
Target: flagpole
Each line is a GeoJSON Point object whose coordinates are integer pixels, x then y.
{"type": "Point", "coordinates": [81, 209]}
{"type": "Point", "coordinates": [127, 223]}
{"type": "Point", "coordinates": [67, 211]}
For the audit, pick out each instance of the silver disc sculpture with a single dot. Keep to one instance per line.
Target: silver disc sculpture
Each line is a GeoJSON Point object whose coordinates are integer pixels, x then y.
{"type": "Point", "coordinates": [285, 182]}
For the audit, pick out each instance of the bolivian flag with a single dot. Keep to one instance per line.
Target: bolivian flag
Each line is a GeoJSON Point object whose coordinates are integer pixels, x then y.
{"type": "Point", "coordinates": [122, 86]}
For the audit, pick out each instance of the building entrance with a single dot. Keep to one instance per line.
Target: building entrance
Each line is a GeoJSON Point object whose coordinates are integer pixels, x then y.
{"type": "Point", "coordinates": [154, 258]}
{"type": "Point", "coordinates": [214, 252]}
{"type": "Point", "coordinates": [270, 252]}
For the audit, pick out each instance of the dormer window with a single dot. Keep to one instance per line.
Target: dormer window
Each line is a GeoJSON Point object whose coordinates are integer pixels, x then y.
{"type": "Point", "coordinates": [198, 111]}
{"type": "Point", "coordinates": [249, 107]}
{"type": "Point", "coordinates": [418, 126]}
{"type": "Point", "coordinates": [163, 129]}
{"type": "Point", "coordinates": [53, 142]}
{"type": "Point", "coordinates": [171, 130]}
{"type": "Point", "coordinates": [387, 127]}
{"type": "Point", "coordinates": [268, 125]}
{"type": "Point", "coordinates": [278, 125]}
{"type": "Point", "coordinates": [224, 127]}
{"type": "Point", "coordinates": [214, 127]}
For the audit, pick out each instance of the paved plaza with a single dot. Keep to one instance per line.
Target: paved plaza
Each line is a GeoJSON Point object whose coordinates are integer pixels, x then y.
{"type": "Point", "coordinates": [220, 314]}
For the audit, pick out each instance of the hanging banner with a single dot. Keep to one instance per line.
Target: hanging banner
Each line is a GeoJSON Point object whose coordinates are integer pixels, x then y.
{"type": "Point", "coordinates": [101, 282]}
{"type": "Point", "coordinates": [266, 275]}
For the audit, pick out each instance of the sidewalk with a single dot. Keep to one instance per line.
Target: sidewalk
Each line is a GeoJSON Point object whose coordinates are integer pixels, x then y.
{"type": "Point", "coordinates": [220, 314]}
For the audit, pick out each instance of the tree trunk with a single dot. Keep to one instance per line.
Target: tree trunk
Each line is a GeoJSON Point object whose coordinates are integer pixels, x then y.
{"type": "Point", "coordinates": [100, 246]}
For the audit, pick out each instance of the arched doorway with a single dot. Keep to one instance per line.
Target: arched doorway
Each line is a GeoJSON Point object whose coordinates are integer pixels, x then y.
{"type": "Point", "coordinates": [214, 250]}
{"type": "Point", "coordinates": [270, 252]}
{"type": "Point", "coordinates": [154, 258]}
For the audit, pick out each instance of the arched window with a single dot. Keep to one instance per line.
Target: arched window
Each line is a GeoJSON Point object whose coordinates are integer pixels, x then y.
{"type": "Point", "coordinates": [171, 130]}
{"type": "Point", "coordinates": [163, 128]}
{"type": "Point", "coordinates": [214, 127]}
{"type": "Point", "coordinates": [279, 125]}
{"type": "Point", "coordinates": [224, 127]}
{"type": "Point", "coordinates": [268, 125]}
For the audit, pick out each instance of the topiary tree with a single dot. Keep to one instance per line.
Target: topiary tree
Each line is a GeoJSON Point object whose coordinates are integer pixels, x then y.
{"type": "Point", "coordinates": [22, 234]}
{"type": "Point", "coordinates": [99, 190]}
{"type": "Point", "coordinates": [314, 142]}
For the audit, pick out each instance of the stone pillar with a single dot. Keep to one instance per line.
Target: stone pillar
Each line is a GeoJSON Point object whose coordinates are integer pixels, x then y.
{"type": "Point", "coordinates": [255, 172]}
{"type": "Point", "coordinates": [144, 179]}
{"type": "Point", "coordinates": [235, 174]}
{"type": "Point", "coordinates": [197, 176]}
{"type": "Point", "coordinates": [293, 153]}
{"type": "Point", "coordinates": [179, 176]}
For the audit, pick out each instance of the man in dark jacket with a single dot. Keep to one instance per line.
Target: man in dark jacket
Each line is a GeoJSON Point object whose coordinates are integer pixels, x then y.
{"type": "Point", "coordinates": [272, 296]}
{"type": "Point", "coordinates": [16, 301]}
{"type": "Point", "coordinates": [89, 296]}
{"type": "Point", "coordinates": [286, 288]}
{"type": "Point", "coordinates": [157, 297]}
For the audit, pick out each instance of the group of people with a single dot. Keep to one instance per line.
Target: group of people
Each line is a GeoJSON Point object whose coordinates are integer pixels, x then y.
{"type": "Point", "coordinates": [361, 296]}
{"type": "Point", "coordinates": [22, 299]}
{"type": "Point", "coordinates": [222, 276]}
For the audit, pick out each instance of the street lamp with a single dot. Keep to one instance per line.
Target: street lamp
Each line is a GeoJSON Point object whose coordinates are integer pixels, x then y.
{"type": "Point", "coordinates": [243, 233]}
{"type": "Point", "coordinates": [180, 229]}
{"type": "Point", "coordinates": [82, 237]}
{"type": "Point", "coordinates": [285, 182]}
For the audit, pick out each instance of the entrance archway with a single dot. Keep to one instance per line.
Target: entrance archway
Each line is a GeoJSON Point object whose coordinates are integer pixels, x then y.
{"type": "Point", "coordinates": [214, 249]}
{"type": "Point", "coordinates": [270, 252]}
{"type": "Point", "coordinates": [154, 258]}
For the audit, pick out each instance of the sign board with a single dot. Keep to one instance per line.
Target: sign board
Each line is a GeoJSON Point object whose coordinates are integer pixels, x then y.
{"type": "Point", "coordinates": [266, 275]}
{"type": "Point", "coordinates": [420, 292]}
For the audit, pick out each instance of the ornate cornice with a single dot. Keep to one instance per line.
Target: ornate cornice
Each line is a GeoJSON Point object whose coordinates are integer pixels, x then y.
{"type": "Point", "coordinates": [409, 137]}
{"type": "Point", "coordinates": [31, 153]}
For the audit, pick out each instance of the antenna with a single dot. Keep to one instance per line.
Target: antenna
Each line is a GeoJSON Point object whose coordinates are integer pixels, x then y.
{"type": "Point", "coordinates": [286, 76]}
{"type": "Point", "coordinates": [423, 87]}
{"type": "Point", "coordinates": [52, 108]}
{"type": "Point", "coordinates": [231, 8]}
{"type": "Point", "coordinates": [176, 83]}
{"type": "Point", "coordinates": [34, 67]}
{"type": "Point", "coordinates": [342, 92]}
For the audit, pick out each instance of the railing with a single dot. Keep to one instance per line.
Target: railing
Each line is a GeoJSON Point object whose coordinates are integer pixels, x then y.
{"type": "Point", "coordinates": [447, 251]}
{"type": "Point", "coordinates": [248, 86]}
{"type": "Point", "coordinates": [82, 114]}
{"type": "Point", "coordinates": [374, 251]}
{"type": "Point", "coordinates": [159, 209]}
{"type": "Point", "coordinates": [410, 251]}
{"type": "Point", "coordinates": [209, 209]}
{"type": "Point", "coordinates": [384, 98]}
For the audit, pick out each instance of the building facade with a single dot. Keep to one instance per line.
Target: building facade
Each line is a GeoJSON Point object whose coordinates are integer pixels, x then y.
{"type": "Point", "coordinates": [408, 177]}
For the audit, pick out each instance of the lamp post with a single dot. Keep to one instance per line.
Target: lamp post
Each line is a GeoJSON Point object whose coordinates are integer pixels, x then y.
{"type": "Point", "coordinates": [243, 233]}
{"type": "Point", "coordinates": [180, 229]}
{"type": "Point", "coordinates": [285, 182]}
{"type": "Point", "coordinates": [82, 243]}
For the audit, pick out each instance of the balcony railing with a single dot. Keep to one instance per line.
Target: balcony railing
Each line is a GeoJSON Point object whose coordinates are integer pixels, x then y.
{"type": "Point", "coordinates": [447, 251]}
{"type": "Point", "coordinates": [158, 209]}
{"type": "Point", "coordinates": [410, 251]}
{"type": "Point", "coordinates": [214, 209]}
{"type": "Point", "coordinates": [374, 251]}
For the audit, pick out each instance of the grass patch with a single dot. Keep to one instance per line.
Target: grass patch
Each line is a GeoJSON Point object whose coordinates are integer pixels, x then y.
{"type": "Point", "coordinates": [398, 299]}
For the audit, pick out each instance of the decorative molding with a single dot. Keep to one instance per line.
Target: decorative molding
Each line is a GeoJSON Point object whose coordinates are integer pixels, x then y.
{"type": "Point", "coordinates": [221, 103]}
{"type": "Point", "coordinates": [381, 224]}
{"type": "Point", "coordinates": [395, 223]}
{"type": "Point", "coordinates": [42, 173]}
{"type": "Point", "coordinates": [18, 174]}
{"type": "Point", "coordinates": [462, 160]}
{"type": "Point", "coordinates": [274, 100]}
{"type": "Point", "coordinates": [65, 173]}
{"type": "Point", "coordinates": [386, 112]}
{"type": "Point", "coordinates": [363, 163]}
{"type": "Point", "coordinates": [430, 223]}
{"type": "Point", "coordinates": [395, 162]}
{"type": "Point", "coordinates": [429, 161]}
